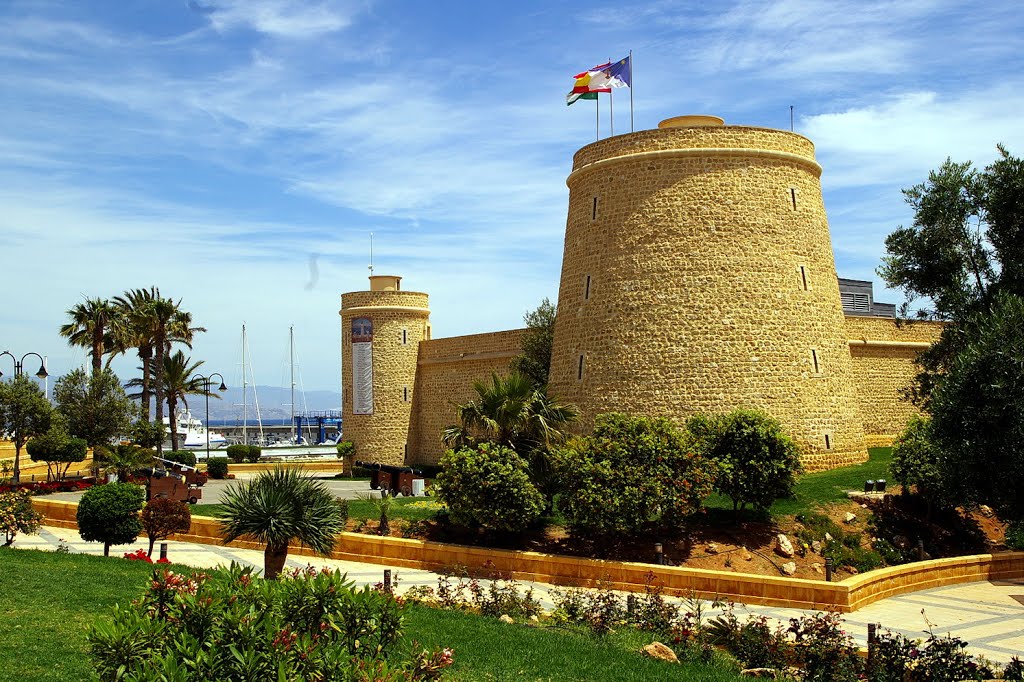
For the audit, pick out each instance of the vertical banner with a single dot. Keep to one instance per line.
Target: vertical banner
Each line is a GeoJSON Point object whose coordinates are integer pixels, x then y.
{"type": "Point", "coordinates": [362, 365]}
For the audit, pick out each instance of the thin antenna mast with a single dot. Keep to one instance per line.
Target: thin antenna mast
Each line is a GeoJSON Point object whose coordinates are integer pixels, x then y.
{"type": "Point", "coordinates": [371, 254]}
{"type": "Point", "coordinates": [791, 118]}
{"type": "Point", "coordinates": [291, 362]}
{"type": "Point", "coordinates": [245, 408]}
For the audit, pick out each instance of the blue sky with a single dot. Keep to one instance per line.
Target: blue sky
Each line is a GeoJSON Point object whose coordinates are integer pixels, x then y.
{"type": "Point", "coordinates": [220, 148]}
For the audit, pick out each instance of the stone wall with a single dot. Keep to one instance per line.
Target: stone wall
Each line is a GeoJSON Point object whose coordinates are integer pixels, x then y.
{"type": "Point", "coordinates": [401, 320]}
{"type": "Point", "coordinates": [883, 354]}
{"type": "Point", "coordinates": [447, 369]}
{"type": "Point", "coordinates": [698, 276]}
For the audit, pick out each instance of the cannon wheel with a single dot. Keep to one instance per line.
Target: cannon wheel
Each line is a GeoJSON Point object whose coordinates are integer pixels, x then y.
{"type": "Point", "coordinates": [193, 500]}
{"type": "Point", "coordinates": [374, 485]}
{"type": "Point", "coordinates": [407, 490]}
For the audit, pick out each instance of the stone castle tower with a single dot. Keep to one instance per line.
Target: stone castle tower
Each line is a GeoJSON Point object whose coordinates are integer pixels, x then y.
{"type": "Point", "coordinates": [698, 276]}
{"type": "Point", "coordinates": [381, 332]}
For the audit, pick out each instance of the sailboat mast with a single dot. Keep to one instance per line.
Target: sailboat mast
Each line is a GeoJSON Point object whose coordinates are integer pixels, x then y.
{"type": "Point", "coordinates": [245, 413]}
{"type": "Point", "coordinates": [291, 362]}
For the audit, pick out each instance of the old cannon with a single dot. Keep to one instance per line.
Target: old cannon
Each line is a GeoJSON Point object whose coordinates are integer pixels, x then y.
{"type": "Point", "coordinates": [177, 482]}
{"type": "Point", "coordinates": [394, 479]}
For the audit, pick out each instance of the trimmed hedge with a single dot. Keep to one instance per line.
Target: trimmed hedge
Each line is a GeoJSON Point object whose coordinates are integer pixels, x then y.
{"type": "Point", "coordinates": [217, 467]}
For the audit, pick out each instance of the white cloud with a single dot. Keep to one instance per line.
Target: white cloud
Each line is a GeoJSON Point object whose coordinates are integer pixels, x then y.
{"type": "Point", "coordinates": [283, 18]}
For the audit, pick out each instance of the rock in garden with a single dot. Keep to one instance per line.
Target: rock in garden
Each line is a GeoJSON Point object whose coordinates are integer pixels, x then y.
{"type": "Point", "coordinates": [986, 511]}
{"type": "Point", "coordinates": [747, 556]}
{"type": "Point", "coordinates": [816, 567]}
{"type": "Point", "coordinates": [763, 673]}
{"type": "Point", "coordinates": [828, 537]}
{"type": "Point", "coordinates": [789, 568]}
{"type": "Point", "coordinates": [850, 517]}
{"type": "Point", "coordinates": [711, 548]}
{"type": "Point", "coordinates": [661, 652]}
{"type": "Point", "coordinates": [505, 618]}
{"type": "Point", "coordinates": [783, 546]}
{"type": "Point", "coordinates": [852, 570]}
{"type": "Point", "coordinates": [816, 546]}
{"type": "Point", "coordinates": [534, 619]}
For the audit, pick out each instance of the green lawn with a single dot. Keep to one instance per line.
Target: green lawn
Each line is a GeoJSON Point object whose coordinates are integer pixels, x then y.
{"type": "Point", "coordinates": [48, 601]}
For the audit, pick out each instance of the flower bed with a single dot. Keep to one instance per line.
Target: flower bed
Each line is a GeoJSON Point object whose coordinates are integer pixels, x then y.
{"type": "Point", "coordinates": [48, 487]}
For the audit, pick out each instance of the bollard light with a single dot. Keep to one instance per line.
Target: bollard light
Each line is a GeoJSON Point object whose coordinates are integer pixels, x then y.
{"type": "Point", "coordinates": [829, 567]}
{"type": "Point", "coordinates": [163, 550]}
{"type": "Point", "coordinates": [659, 554]}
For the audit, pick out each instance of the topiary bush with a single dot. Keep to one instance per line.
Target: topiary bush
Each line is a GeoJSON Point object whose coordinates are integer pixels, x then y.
{"type": "Point", "coordinates": [162, 518]}
{"type": "Point", "coordinates": [110, 514]}
{"type": "Point", "coordinates": [254, 454]}
{"type": "Point", "coordinates": [488, 486]}
{"type": "Point", "coordinates": [757, 461]}
{"type": "Point", "coordinates": [58, 450]}
{"type": "Point", "coordinates": [631, 475]}
{"type": "Point", "coordinates": [230, 625]}
{"type": "Point", "coordinates": [237, 453]}
{"type": "Point", "coordinates": [217, 467]}
{"type": "Point", "coordinates": [186, 457]}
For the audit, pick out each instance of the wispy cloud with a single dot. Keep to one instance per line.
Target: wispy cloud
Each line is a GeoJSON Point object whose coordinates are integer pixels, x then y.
{"type": "Point", "coordinates": [282, 18]}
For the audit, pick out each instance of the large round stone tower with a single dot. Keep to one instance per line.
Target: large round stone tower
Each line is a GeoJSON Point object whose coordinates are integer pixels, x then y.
{"type": "Point", "coordinates": [380, 334]}
{"type": "Point", "coordinates": [698, 276]}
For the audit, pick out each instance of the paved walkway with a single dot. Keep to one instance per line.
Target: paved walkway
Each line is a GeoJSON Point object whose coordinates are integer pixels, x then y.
{"type": "Point", "coordinates": [990, 616]}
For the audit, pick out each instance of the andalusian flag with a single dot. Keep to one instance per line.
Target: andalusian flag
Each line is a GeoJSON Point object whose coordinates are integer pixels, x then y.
{"type": "Point", "coordinates": [572, 97]}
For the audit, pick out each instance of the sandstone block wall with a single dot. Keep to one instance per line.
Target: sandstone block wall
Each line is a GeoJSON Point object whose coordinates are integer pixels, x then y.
{"type": "Point", "coordinates": [400, 324]}
{"type": "Point", "coordinates": [447, 369]}
{"type": "Point", "coordinates": [883, 356]}
{"type": "Point", "coordinates": [698, 276]}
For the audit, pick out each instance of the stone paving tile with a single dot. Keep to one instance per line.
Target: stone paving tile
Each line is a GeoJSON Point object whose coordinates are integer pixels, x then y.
{"type": "Point", "coordinates": [982, 613]}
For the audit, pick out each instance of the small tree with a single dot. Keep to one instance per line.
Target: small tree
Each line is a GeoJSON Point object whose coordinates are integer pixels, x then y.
{"type": "Point", "coordinates": [757, 462]}
{"type": "Point", "coordinates": [915, 460]}
{"type": "Point", "coordinates": [535, 360]}
{"type": "Point", "coordinates": [186, 457]}
{"type": "Point", "coordinates": [217, 467]}
{"type": "Point", "coordinates": [147, 434]}
{"type": "Point", "coordinates": [347, 453]}
{"type": "Point", "coordinates": [162, 518]}
{"type": "Point", "coordinates": [17, 515]}
{"type": "Point", "coordinates": [94, 405]}
{"type": "Point", "coordinates": [110, 514]}
{"type": "Point", "coordinates": [278, 507]}
{"type": "Point", "coordinates": [488, 486]}
{"type": "Point", "coordinates": [633, 474]}
{"type": "Point", "coordinates": [24, 413]}
{"type": "Point", "coordinates": [58, 450]}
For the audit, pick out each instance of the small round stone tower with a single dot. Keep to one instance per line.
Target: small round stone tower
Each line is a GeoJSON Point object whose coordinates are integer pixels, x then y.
{"type": "Point", "coordinates": [698, 276]}
{"type": "Point", "coordinates": [380, 334]}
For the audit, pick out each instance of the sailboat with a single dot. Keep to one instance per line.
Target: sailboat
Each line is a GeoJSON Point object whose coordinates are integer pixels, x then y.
{"type": "Point", "coordinates": [246, 375]}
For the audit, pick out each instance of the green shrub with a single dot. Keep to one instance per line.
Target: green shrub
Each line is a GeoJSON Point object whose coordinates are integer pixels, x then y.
{"type": "Point", "coordinates": [632, 474]}
{"type": "Point", "coordinates": [217, 467]}
{"type": "Point", "coordinates": [757, 462]}
{"type": "Point", "coordinates": [238, 453]}
{"type": "Point", "coordinates": [488, 486]}
{"type": "Point", "coordinates": [147, 434]}
{"type": "Point", "coordinates": [1015, 536]}
{"type": "Point", "coordinates": [345, 449]}
{"type": "Point", "coordinates": [254, 454]}
{"type": "Point", "coordinates": [844, 548]}
{"type": "Point", "coordinates": [110, 514]}
{"type": "Point", "coordinates": [186, 457]}
{"type": "Point", "coordinates": [230, 625]}
{"type": "Point", "coordinates": [915, 461]}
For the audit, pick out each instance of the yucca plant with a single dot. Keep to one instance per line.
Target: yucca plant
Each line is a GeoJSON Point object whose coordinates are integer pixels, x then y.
{"type": "Point", "coordinates": [277, 507]}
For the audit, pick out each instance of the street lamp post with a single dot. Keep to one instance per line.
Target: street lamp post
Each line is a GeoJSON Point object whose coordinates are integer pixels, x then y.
{"type": "Point", "coordinates": [19, 369]}
{"type": "Point", "coordinates": [207, 380]}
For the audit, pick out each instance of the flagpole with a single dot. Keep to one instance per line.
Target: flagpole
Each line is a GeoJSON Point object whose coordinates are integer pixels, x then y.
{"type": "Point", "coordinates": [631, 91]}
{"type": "Point", "coordinates": [611, 109]}
{"type": "Point", "coordinates": [597, 117]}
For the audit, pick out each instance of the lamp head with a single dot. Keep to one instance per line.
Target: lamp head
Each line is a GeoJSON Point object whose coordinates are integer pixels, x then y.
{"type": "Point", "coordinates": [222, 388]}
{"type": "Point", "coordinates": [42, 373]}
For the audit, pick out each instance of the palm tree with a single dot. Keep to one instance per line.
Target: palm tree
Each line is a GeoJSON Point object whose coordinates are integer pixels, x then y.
{"type": "Point", "coordinates": [135, 330]}
{"type": "Point", "coordinates": [178, 383]}
{"type": "Point", "coordinates": [90, 327]}
{"type": "Point", "coordinates": [513, 411]}
{"type": "Point", "coordinates": [278, 507]}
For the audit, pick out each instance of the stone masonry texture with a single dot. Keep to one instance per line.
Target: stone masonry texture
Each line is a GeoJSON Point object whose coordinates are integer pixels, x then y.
{"type": "Point", "coordinates": [697, 276]}
{"type": "Point", "coordinates": [712, 286]}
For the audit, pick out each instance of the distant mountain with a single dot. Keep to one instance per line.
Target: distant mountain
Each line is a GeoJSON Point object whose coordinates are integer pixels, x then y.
{"type": "Point", "coordinates": [273, 402]}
